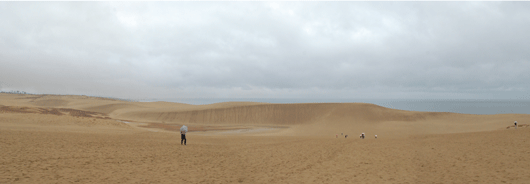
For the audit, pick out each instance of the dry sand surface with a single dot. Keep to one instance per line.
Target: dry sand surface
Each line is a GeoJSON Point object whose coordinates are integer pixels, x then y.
{"type": "Point", "coordinates": [69, 139]}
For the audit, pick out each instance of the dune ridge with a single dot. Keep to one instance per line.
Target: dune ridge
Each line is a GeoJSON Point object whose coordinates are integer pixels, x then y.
{"type": "Point", "coordinates": [302, 119]}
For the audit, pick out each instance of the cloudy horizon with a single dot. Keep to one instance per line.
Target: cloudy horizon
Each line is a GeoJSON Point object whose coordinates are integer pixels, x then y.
{"type": "Point", "coordinates": [403, 50]}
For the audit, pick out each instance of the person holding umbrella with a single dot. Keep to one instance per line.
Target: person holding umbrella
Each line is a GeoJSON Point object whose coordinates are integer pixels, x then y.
{"type": "Point", "coordinates": [183, 131]}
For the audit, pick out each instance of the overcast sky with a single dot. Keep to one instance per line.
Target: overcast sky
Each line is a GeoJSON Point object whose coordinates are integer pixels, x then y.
{"type": "Point", "coordinates": [425, 50]}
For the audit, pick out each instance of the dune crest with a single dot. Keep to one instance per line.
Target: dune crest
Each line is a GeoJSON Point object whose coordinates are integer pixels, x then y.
{"type": "Point", "coordinates": [302, 119]}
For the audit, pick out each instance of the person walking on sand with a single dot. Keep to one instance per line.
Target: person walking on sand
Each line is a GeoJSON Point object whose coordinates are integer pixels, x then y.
{"type": "Point", "coordinates": [376, 136]}
{"type": "Point", "coordinates": [183, 131]}
{"type": "Point", "coordinates": [515, 124]}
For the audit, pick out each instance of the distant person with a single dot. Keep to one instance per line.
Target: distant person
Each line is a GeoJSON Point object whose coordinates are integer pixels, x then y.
{"type": "Point", "coordinates": [376, 136]}
{"type": "Point", "coordinates": [182, 137]}
{"type": "Point", "coordinates": [515, 124]}
{"type": "Point", "coordinates": [346, 136]}
{"type": "Point", "coordinates": [183, 131]}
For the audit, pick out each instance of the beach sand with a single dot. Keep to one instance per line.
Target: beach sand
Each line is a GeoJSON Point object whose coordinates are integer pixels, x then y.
{"type": "Point", "coordinates": [80, 139]}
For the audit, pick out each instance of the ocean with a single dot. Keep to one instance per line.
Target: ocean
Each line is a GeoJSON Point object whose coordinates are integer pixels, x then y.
{"type": "Point", "coordinates": [456, 106]}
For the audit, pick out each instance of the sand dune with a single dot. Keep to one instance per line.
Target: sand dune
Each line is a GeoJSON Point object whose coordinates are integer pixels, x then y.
{"type": "Point", "coordinates": [63, 139]}
{"type": "Point", "coordinates": [318, 119]}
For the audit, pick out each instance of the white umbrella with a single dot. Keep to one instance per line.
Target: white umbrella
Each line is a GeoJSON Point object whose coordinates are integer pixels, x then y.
{"type": "Point", "coordinates": [184, 128]}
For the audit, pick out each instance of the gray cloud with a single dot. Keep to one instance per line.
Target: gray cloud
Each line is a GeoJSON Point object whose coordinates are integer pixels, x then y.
{"type": "Point", "coordinates": [267, 49]}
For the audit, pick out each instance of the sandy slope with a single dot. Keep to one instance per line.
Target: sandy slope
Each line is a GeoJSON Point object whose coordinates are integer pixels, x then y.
{"type": "Point", "coordinates": [63, 139]}
{"type": "Point", "coordinates": [322, 119]}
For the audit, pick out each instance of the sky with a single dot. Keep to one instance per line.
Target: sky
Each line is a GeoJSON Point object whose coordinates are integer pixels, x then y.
{"type": "Point", "coordinates": [376, 50]}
